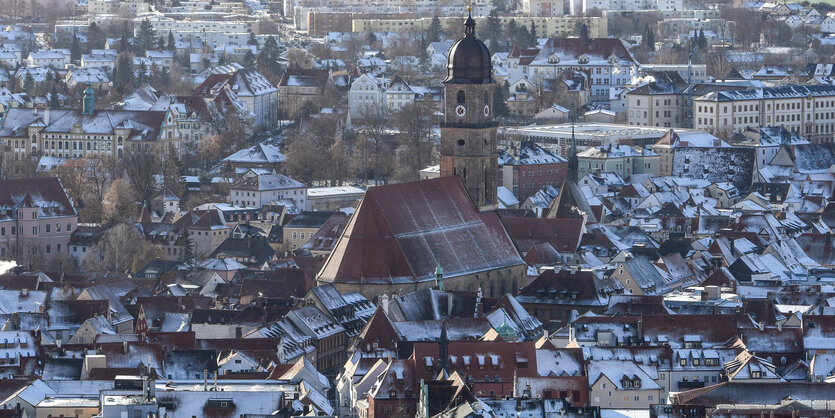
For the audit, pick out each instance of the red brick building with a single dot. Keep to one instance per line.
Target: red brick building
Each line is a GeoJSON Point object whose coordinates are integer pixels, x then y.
{"type": "Point", "coordinates": [529, 168]}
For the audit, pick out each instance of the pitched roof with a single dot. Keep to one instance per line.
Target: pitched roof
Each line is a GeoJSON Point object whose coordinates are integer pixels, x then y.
{"type": "Point", "coordinates": [401, 232]}
{"type": "Point", "coordinates": [47, 194]}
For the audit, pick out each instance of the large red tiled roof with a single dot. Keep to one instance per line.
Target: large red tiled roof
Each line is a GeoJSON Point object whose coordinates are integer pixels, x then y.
{"type": "Point", "coordinates": [400, 233]}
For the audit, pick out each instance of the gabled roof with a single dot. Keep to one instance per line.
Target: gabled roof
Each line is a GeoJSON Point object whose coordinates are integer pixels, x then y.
{"type": "Point", "coordinates": [401, 232]}
{"type": "Point", "coordinates": [258, 154]}
{"type": "Point", "coordinates": [46, 194]}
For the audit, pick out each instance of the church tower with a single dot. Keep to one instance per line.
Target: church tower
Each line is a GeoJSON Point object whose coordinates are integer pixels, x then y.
{"type": "Point", "coordinates": [468, 134]}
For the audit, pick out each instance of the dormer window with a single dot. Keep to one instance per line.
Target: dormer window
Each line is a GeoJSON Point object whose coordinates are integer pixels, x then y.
{"type": "Point", "coordinates": [553, 59]}
{"type": "Point", "coordinates": [626, 383]}
{"type": "Point", "coordinates": [583, 59]}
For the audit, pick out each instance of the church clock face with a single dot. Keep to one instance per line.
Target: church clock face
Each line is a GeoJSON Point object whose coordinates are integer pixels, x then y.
{"type": "Point", "coordinates": [460, 110]}
{"type": "Point", "coordinates": [486, 110]}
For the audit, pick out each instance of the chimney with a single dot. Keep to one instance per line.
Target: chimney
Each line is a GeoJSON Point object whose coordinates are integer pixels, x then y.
{"type": "Point", "coordinates": [124, 347]}
{"type": "Point", "coordinates": [205, 380]}
{"type": "Point", "coordinates": [449, 304]}
{"type": "Point", "coordinates": [761, 325]}
{"type": "Point", "coordinates": [46, 116]}
{"type": "Point", "coordinates": [479, 305]}
{"type": "Point", "coordinates": [384, 303]}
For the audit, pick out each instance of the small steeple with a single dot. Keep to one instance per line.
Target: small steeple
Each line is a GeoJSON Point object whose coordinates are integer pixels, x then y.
{"type": "Point", "coordinates": [573, 162]}
{"type": "Point", "coordinates": [89, 102]}
{"type": "Point", "coordinates": [443, 350]}
{"type": "Point", "coordinates": [439, 277]}
{"type": "Point", "coordinates": [469, 25]}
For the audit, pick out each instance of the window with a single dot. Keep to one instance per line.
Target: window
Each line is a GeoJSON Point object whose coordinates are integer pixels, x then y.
{"type": "Point", "coordinates": [48, 249]}
{"type": "Point", "coordinates": [48, 228]}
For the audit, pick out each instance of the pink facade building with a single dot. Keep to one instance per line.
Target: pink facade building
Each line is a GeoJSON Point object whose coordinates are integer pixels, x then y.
{"type": "Point", "coordinates": [36, 220]}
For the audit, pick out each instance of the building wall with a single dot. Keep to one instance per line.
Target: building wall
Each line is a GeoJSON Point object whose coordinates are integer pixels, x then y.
{"type": "Point", "coordinates": [813, 117]}
{"type": "Point", "coordinates": [295, 237]}
{"type": "Point", "coordinates": [494, 283]}
{"type": "Point", "coordinates": [665, 110]}
{"type": "Point", "coordinates": [532, 178]}
{"type": "Point", "coordinates": [332, 203]}
{"type": "Point", "coordinates": [468, 142]}
{"type": "Point", "coordinates": [604, 395]}
{"type": "Point", "coordinates": [207, 240]}
{"type": "Point", "coordinates": [35, 236]}
{"type": "Point", "coordinates": [260, 198]}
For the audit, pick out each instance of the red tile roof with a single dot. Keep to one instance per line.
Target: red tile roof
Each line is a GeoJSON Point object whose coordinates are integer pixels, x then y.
{"type": "Point", "coordinates": [401, 232]}
{"type": "Point", "coordinates": [562, 233]}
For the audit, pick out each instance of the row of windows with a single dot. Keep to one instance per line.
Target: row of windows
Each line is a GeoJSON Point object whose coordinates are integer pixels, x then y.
{"type": "Point", "coordinates": [35, 229]}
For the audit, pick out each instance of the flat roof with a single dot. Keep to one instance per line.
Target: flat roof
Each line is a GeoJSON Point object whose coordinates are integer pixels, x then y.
{"type": "Point", "coordinates": [603, 131]}
{"type": "Point", "coordinates": [334, 191]}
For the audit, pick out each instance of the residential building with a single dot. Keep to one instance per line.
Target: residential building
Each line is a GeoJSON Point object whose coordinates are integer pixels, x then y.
{"type": "Point", "coordinates": [303, 226]}
{"type": "Point", "coordinates": [89, 131]}
{"type": "Point", "coordinates": [57, 59]}
{"type": "Point", "coordinates": [808, 109]}
{"type": "Point", "coordinates": [260, 97]}
{"type": "Point", "coordinates": [299, 86]}
{"type": "Point", "coordinates": [258, 190]}
{"type": "Point", "coordinates": [36, 219]}
{"type": "Point", "coordinates": [529, 168]}
{"type": "Point", "coordinates": [606, 61]}
{"type": "Point", "coordinates": [619, 159]}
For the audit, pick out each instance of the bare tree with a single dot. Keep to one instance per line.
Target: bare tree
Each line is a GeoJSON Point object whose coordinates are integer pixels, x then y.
{"type": "Point", "coordinates": [373, 129]}
{"type": "Point", "coordinates": [415, 122]}
{"type": "Point", "coordinates": [140, 167]}
{"type": "Point", "coordinates": [119, 203]}
{"type": "Point", "coordinates": [122, 248]}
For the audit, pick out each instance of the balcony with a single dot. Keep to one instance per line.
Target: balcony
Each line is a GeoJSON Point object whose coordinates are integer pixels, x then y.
{"type": "Point", "coordinates": [690, 385]}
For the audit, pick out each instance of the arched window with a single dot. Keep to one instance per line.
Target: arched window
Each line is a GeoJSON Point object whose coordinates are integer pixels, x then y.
{"type": "Point", "coordinates": [461, 98]}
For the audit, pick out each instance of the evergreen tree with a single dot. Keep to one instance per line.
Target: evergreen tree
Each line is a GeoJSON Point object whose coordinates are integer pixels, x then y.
{"type": "Point", "coordinates": [423, 57]}
{"type": "Point", "coordinates": [50, 76]}
{"type": "Point", "coordinates": [523, 37]}
{"type": "Point", "coordinates": [500, 101]}
{"type": "Point", "coordinates": [702, 39]}
{"type": "Point", "coordinates": [493, 29]}
{"type": "Point", "coordinates": [512, 32]}
{"type": "Point", "coordinates": [584, 32]}
{"type": "Point", "coordinates": [172, 44]}
{"type": "Point", "coordinates": [188, 249]}
{"type": "Point", "coordinates": [371, 39]}
{"type": "Point", "coordinates": [146, 35]}
{"type": "Point", "coordinates": [268, 56]}
{"type": "Point", "coordinates": [533, 34]}
{"type": "Point", "coordinates": [161, 43]}
{"type": "Point", "coordinates": [433, 34]}
{"type": "Point", "coordinates": [54, 103]}
{"type": "Point", "coordinates": [75, 49]}
{"type": "Point", "coordinates": [28, 82]}
{"type": "Point", "coordinates": [142, 76]}
{"type": "Point", "coordinates": [95, 37]}
{"type": "Point", "coordinates": [123, 42]}
{"type": "Point", "coordinates": [249, 58]}
{"type": "Point", "coordinates": [651, 40]}
{"type": "Point", "coordinates": [123, 75]}
{"type": "Point", "coordinates": [252, 40]}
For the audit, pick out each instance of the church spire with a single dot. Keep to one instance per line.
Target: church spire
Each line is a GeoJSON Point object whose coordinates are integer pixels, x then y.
{"type": "Point", "coordinates": [573, 162]}
{"type": "Point", "coordinates": [443, 350]}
